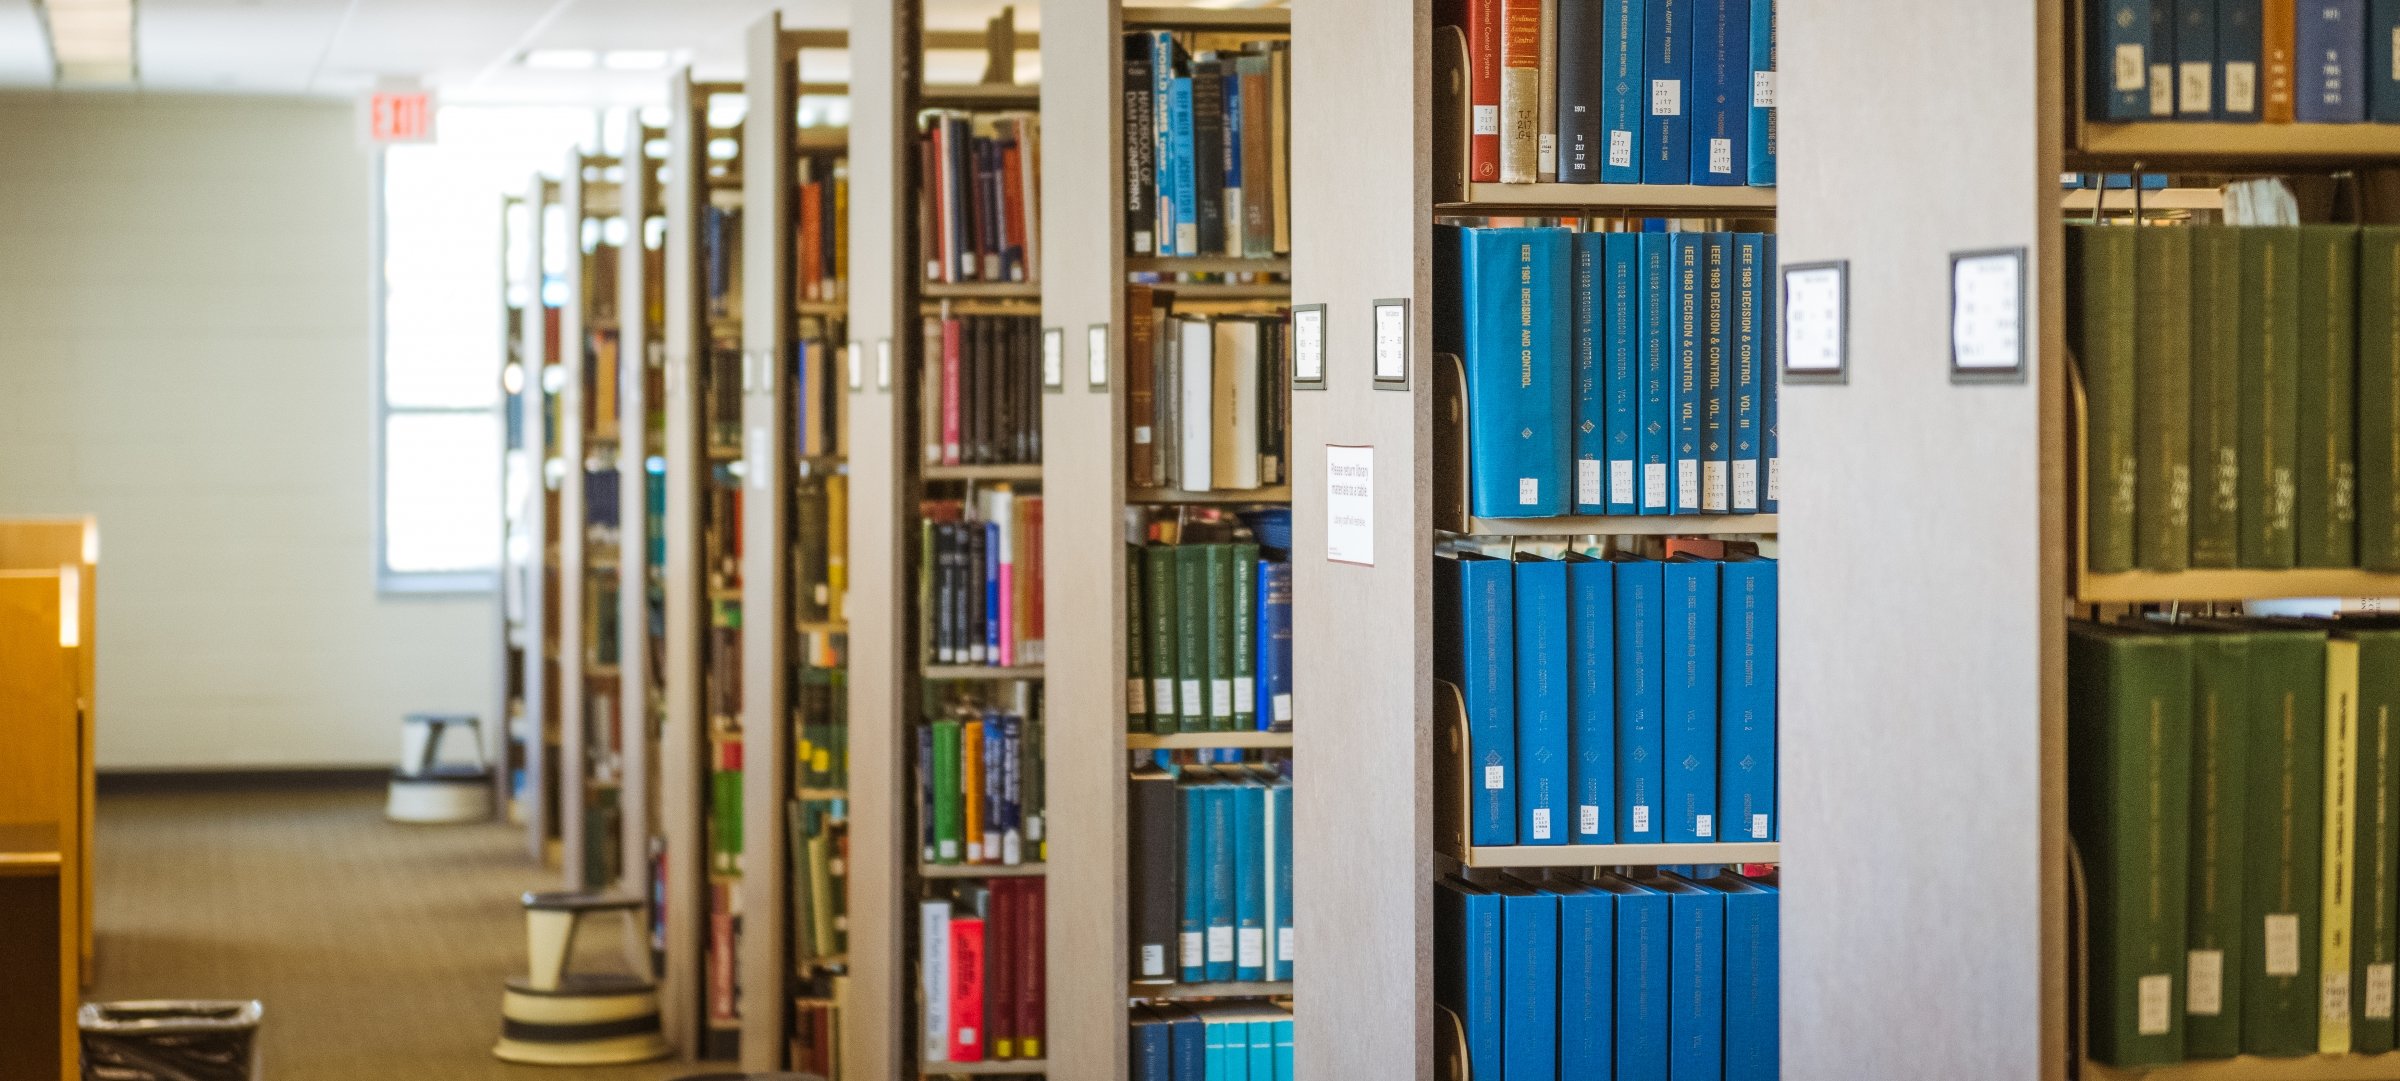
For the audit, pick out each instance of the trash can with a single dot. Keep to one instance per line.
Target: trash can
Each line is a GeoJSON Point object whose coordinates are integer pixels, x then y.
{"type": "Point", "coordinates": [169, 1041]}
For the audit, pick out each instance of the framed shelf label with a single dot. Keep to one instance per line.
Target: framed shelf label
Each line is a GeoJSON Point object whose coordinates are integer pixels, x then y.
{"type": "Point", "coordinates": [1054, 359]}
{"type": "Point", "coordinates": [1816, 322]}
{"type": "Point", "coordinates": [1391, 344]}
{"type": "Point", "coordinates": [1350, 505]}
{"type": "Point", "coordinates": [858, 365]}
{"type": "Point", "coordinates": [883, 364]}
{"type": "Point", "coordinates": [1308, 347]}
{"type": "Point", "coordinates": [1096, 355]}
{"type": "Point", "coordinates": [1987, 316]}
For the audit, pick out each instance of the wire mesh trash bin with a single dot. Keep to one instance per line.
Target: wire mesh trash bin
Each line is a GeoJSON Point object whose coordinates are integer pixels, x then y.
{"type": "Point", "coordinates": [169, 1041]}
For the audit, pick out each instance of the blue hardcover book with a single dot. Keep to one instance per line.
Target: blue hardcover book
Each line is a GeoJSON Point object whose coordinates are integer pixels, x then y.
{"type": "Point", "coordinates": [1512, 287]}
{"type": "Point", "coordinates": [1621, 352]}
{"type": "Point", "coordinates": [1592, 697]}
{"type": "Point", "coordinates": [1743, 329]}
{"type": "Point", "coordinates": [1279, 942]}
{"type": "Point", "coordinates": [1262, 1049]}
{"type": "Point", "coordinates": [2162, 57]}
{"type": "Point", "coordinates": [1165, 58]}
{"type": "Point", "coordinates": [2117, 77]}
{"type": "Point", "coordinates": [2332, 68]}
{"type": "Point", "coordinates": [1466, 980]}
{"type": "Point", "coordinates": [1220, 879]}
{"type": "Point", "coordinates": [1746, 706]}
{"type": "Point", "coordinates": [1762, 93]}
{"type": "Point", "coordinates": [1529, 980]}
{"type": "Point", "coordinates": [1643, 982]}
{"type": "Point", "coordinates": [1190, 1038]}
{"type": "Point", "coordinates": [1221, 1056]}
{"type": "Point", "coordinates": [1641, 744]}
{"type": "Point", "coordinates": [1283, 1050]}
{"type": "Point", "coordinates": [1691, 699]}
{"type": "Point", "coordinates": [991, 592]}
{"type": "Point", "coordinates": [1274, 686]}
{"type": "Point", "coordinates": [1249, 880]}
{"type": "Point", "coordinates": [1624, 98]}
{"type": "Point", "coordinates": [1475, 622]}
{"type": "Point", "coordinates": [2383, 79]}
{"type": "Point", "coordinates": [1753, 936]}
{"type": "Point", "coordinates": [1587, 931]}
{"type": "Point", "coordinates": [1696, 983]}
{"type": "Point", "coordinates": [1543, 758]}
{"type": "Point", "coordinates": [1667, 67]}
{"type": "Point", "coordinates": [1720, 91]}
{"type": "Point", "coordinates": [1590, 333]}
{"type": "Point", "coordinates": [2196, 59]}
{"type": "Point", "coordinates": [1153, 1046]}
{"type": "Point", "coordinates": [1686, 340]}
{"type": "Point", "coordinates": [1186, 163]}
{"type": "Point", "coordinates": [1655, 442]}
{"type": "Point", "coordinates": [1231, 143]}
{"type": "Point", "coordinates": [1192, 928]}
{"type": "Point", "coordinates": [1582, 71]}
{"type": "Point", "coordinates": [1770, 377]}
{"type": "Point", "coordinates": [1716, 375]}
{"type": "Point", "coordinates": [2239, 46]}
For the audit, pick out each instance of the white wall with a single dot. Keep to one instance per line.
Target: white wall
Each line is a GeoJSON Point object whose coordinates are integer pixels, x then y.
{"type": "Point", "coordinates": [184, 351]}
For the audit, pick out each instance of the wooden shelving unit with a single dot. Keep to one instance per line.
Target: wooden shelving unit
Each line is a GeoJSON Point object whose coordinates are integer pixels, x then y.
{"type": "Point", "coordinates": [641, 437]}
{"type": "Point", "coordinates": [538, 726]}
{"type": "Point", "coordinates": [520, 397]}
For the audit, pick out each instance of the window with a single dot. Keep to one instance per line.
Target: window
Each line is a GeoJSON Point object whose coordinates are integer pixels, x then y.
{"type": "Point", "coordinates": [439, 346]}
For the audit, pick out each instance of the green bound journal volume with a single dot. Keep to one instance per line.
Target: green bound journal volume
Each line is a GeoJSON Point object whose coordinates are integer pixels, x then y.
{"type": "Point", "coordinates": [2270, 383]}
{"type": "Point", "coordinates": [2325, 520]}
{"type": "Point", "coordinates": [2102, 262]}
{"type": "Point", "coordinates": [2379, 398]}
{"type": "Point", "coordinates": [2163, 399]}
{"type": "Point", "coordinates": [2216, 433]}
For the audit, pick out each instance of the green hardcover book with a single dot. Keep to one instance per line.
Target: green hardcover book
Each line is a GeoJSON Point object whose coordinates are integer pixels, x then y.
{"type": "Point", "coordinates": [1220, 603]}
{"type": "Point", "coordinates": [1191, 638]}
{"type": "Point", "coordinates": [2325, 523]}
{"type": "Point", "coordinates": [2162, 382]}
{"type": "Point", "coordinates": [1159, 594]}
{"type": "Point", "coordinates": [2128, 796]}
{"type": "Point", "coordinates": [2374, 943]}
{"type": "Point", "coordinates": [2378, 496]}
{"type": "Point", "coordinates": [949, 817]}
{"type": "Point", "coordinates": [1137, 633]}
{"type": "Point", "coordinates": [2216, 499]}
{"type": "Point", "coordinates": [2270, 393]}
{"type": "Point", "coordinates": [2283, 856]}
{"type": "Point", "coordinates": [2102, 261]}
{"type": "Point", "coordinates": [2220, 749]}
{"type": "Point", "coordinates": [1245, 637]}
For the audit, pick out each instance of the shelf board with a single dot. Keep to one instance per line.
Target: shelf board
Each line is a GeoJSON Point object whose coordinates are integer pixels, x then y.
{"type": "Point", "coordinates": [1019, 471]}
{"type": "Point", "coordinates": [805, 792]}
{"type": "Point", "coordinates": [1177, 992]}
{"type": "Point", "coordinates": [981, 96]}
{"type": "Point", "coordinates": [980, 291]}
{"type": "Point", "coordinates": [1561, 198]}
{"type": "Point", "coordinates": [1210, 740]}
{"type": "Point", "coordinates": [1206, 264]}
{"type": "Point", "coordinates": [998, 1067]}
{"type": "Point", "coordinates": [2242, 144]}
{"type": "Point", "coordinates": [2136, 587]}
{"type": "Point", "coordinates": [821, 627]}
{"type": "Point", "coordinates": [981, 870]}
{"type": "Point", "coordinates": [1648, 525]}
{"type": "Point", "coordinates": [979, 671]}
{"type": "Point", "coordinates": [821, 307]}
{"type": "Point", "coordinates": [1281, 493]}
{"type": "Point", "coordinates": [1199, 291]}
{"type": "Point", "coordinates": [1263, 20]}
{"type": "Point", "coordinates": [2084, 199]}
{"type": "Point", "coordinates": [2257, 1068]}
{"type": "Point", "coordinates": [1622, 855]}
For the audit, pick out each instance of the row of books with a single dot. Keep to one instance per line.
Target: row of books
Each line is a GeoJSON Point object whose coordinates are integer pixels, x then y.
{"type": "Point", "coordinates": [1620, 91]}
{"type": "Point", "coordinates": [1207, 146]}
{"type": "Point", "coordinates": [981, 393]}
{"type": "Point", "coordinates": [1653, 977]}
{"type": "Point", "coordinates": [821, 244]}
{"type": "Point", "coordinates": [1213, 1041]}
{"type": "Point", "coordinates": [980, 579]}
{"type": "Point", "coordinates": [1613, 373]}
{"type": "Point", "coordinates": [820, 546]}
{"type": "Point", "coordinates": [2231, 791]}
{"type": "Point", "coordinates": [2242, 61]}
{"type": "Point", "coordinates": [821, 412]}
{"type": "Point", "coordinates": [817, 1032]}
{"type": "Point", "coordinates": [1612, 701]}
{"type": "Point", "coordinates": [1207, 397]}
{"type": "Point", "coordinates": [821, 728]}
{"type": "Point", "coordinates": [980, 211]}
{"type": "Point", "coordinates": [983, 984]}
{"type": "Point", "coordinates": [723, 970]}
{"type": "Point", "coordinates": [2242, 390]}
{"type": "Point", "coordinates": [818, 833]}
{"type": "Point", "coordinates": [1208, 637]}
{"type": "Point", "coordinates": [980, 788]}
{"type": "Point", "coordinates": [1210, 849]}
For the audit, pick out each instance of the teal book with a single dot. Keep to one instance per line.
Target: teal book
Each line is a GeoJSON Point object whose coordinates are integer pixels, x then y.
{"type": "Point", "coordinates": [1716, 377]}
{"type": "Point", "coordinates": [1686, 389]}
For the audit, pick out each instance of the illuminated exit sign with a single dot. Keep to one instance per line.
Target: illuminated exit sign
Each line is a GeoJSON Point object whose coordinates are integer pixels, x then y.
{"type": "Point", "coordinates": [400, 116]}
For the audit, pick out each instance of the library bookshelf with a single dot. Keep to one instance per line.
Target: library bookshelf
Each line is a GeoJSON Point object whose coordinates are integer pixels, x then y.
{"type": "Point", "coordinates": [641, 545]}
{"type": "Point", "coordinates": [590, 762]}
{"type": "Point", "coordinates": [536, 726]}
{"type": "Point", "coordinates": [518, 481]}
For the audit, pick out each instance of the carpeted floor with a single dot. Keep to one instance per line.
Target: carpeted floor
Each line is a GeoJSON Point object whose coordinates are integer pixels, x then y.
{"type": "Point", "coordinates": [378, 950]}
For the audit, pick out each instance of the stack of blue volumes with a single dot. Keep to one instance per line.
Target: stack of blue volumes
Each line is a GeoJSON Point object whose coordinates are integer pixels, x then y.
{"type": "Point", "coordinates": [2242, 61]}
{"type": "Point", "coordinates": [1652, 977]}
{"type": "Point", "coordinates": [1612, 373]}
{"type": "Point", "coordinates": [1211, 874]}
{"type": "Point", "coordinates": [1612, 701]}
{"type": "Point", "coordinates": [1224, 1041]}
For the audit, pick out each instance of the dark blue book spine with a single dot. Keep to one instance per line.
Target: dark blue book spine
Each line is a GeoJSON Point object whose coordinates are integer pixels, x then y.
{"type": "Point", "coordinates": [2239, 49]}
{"type": "Point", "coordinates": [1219, 874]}
{"type": "Point", "coordinates": [2196, 59]}
{"type": "Point", "coordinates": [2117, 77]}
{"type": "Point", "coordinates": [1696, 1017]}
{"type": "Point", "coordinates": [1587, 931]}
{"type": "Point", "coordinates": [1625, 99]}
{"type": "Point", "coordinates": [1582, 72]}
{"type": "Point", "coordinates": [1235, 183]}
{"type": "Point", "coordinates": [2162, 57]}
{"type": "Point", "coordinates": [1592, 697]}
{"type": "Point", "coordinates": [1274, 644]}
{"type": "Point", "coordinates": [2332, 62]}
{"type": "Point", "coordinates": [991, 592]}
{"type": "Point", "coordinates": [2383, 79]}
{"type": "Point", "coordinates": [1468, 981]}
{"type": "Point", "coordinates": [1721, 92]}
{"type": "Point", "coordinates": [1279, 947]}
{"type": "Point", "coordinates": [1191, 1048]}
{"type": "Point", "coordinates": [1530, 1035]}
{"type": "Point", "coordinates": [1249, 881]}
{"type": "Point", "coordinates": [1187, 182]}
{"type": "Point", "coordinates": [1745, 331]}
{"type": "Point", "coordinates": [1691, 700]}
{"type": "Point", "coordinates": [1746, 745]}
{"type": "Point", "coordinates": [1543, 757]}
{"type": "Point", "coordinates": [1192, 930]}
{"type": "Point", "coordinates": [1153, 1048]}
{"type": "Point", "coordinates": [1642, 984]}
{"type": "Point", "coordinates": [1753, 1002]}
{"type": "Point", "coordinates": [1656, 439]}
{"type": "Point", "coordinates": [1770, 374]}
{"type": "Point", "coordinates": [1489, 637]}
{"type": "Point", "coordinates": [1686, 337]}
{"type": "Point", "coordinates": [1590, 416]}
{"type": "Point", "coordinates": [1762, 93]}
{"type": "Point", "coordinates": [1163, 53]}
{"type": "Point", "coordinates": [1667, 69]}
{"type": "Point", "coordinates": [1641, 640]}
{"type": "Point", "coordinates": [1716, 382]}
{"type": "Point", "coordinates": [1621, 358]}
{"type": "Point", "coordinates": [1516, 303]}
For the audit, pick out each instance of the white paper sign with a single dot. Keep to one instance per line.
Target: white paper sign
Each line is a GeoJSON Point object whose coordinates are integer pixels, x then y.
{"type": "Point", "coordinates": [1391, 342]}
{"type": "Point", "coordinates": [1054, 357]}
{"type": "Point", "coordinates": [1350, 505]}
{"type": "Point", "coordinates": [1987, 312]}
{"type": "Point", "coordinates": [1814, 310]}
{"type": "Point", "coordinates": [1308, 345]}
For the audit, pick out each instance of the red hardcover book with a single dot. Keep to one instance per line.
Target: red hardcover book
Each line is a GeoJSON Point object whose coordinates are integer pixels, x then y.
{"type": "Point", "coordinates": [966, 989]}
{"type": "Point", "coordinates": [1032, 982]}
{"type": "Point", "coordinates": [1012, 186]}
{"type": "Point", "coordinates": [1483, 90]}
{"type": "Point", "coordinates": [1034, 650]}
{"type": "Point", "coordinates": [811, 229]}
{"type": "Point", "coordinates": [934, 215]}
{"type": "Point", "coordinates": [1000, 968]}
{"type": "Point", "coordinates": [952, 332]}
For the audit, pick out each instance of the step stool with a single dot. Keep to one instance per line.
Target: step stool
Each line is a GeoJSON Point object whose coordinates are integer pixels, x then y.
{"type": "Point", "coordinates": [551, 1017]}
{"type": "Point", "coordinates": [424, 789]}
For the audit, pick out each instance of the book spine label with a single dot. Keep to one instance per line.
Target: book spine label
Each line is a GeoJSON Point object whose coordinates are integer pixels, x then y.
{"type": "Point", "coordinates": [1581, 71]}
{"type": "Point", "coordinates": [2279, 59]}
{"type": "Point", "coordinates": [1591, 700]}
{"type": "Point", "coordinates": [1666, 71]}
{"type": "Point", "coordinates": [1686, 330]}
{"type": "Point", "coordinates": [2378, 496]}
{"type": "Point", "coordinates": [2196, 59]}
{"type": "Point", "coordinates": [1641, 746]}
{"type": "Point", "coordinates": [1590, 333]}
{"type": "Point", "coordinates": [1543, 796]}
{"type": "Point", "coordinates": [1520, 90]}
{"type": "Point", "coordinates": [2216, 477]}
{"type": "Point", "coordinates": [1716, 385]}
{"type": "Point", "coordinates": [2340, 847]}
{"type": "Point", "coordinates": [2270, 393]}
{"type": "Point", "coordinates": [1621, 328]}
{"type": "Point", "coordinates": [1483, 90]}
{"type": "Point", "coordinates": [2383, 70]}
{"type": "Point", "coordinates": [1747, 682]}
{"type": "Point", "coordinates": [1720, 152]}
{"type": "Point", "coordinates": [2325, 520]}
{"type": "Point", "coordinates": [1691, 700]}
{"type": "Point", "coordinates": [1762, 93]}
{"type": "Point", "coordinates": [2331, 61]}
{"type": "Point", "coordinates": [2238, 55]}
{"type": "Point", "coordinates": [1624, 100]}
{"type": "Point", "coordinates": [2163, 399]}
{"type": "Point", "coordinates": [2117, 80]}
{"type": "Point", "coordinates": [1655, 359]}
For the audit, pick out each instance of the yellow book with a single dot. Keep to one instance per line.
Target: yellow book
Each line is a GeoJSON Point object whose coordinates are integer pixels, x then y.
{"type": "Point", "coordinates": [837, 547]}
{"type": "Point", "coordinates": [970, 787]}
{"type": "Point", "coordinates": [2341, 792]}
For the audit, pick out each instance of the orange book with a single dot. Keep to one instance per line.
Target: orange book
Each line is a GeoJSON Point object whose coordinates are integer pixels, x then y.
{"type": "Point", "coordinates": [970, 785]}
{"type": "Point", "coordinates": [2278, 26]}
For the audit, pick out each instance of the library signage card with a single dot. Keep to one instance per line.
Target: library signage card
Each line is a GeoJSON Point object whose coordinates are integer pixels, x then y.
{"type": "Point", "coordinates": [1391, 344]}
{"type": "Point", "coordinates": [858, 365]}
{"type": "Point", "coordinates": [883, 364]}
{"type": "Point", "coordinates": [1987, 316]}
{"type": "Point", "coordinates": [1096, 355]}
{"type": "Point", "coordinates": [1054, 358]}
{"type": "Point", "coordinates": [1816, 316]}
{"type": "Point", "coordinates": [1350, 505]}
{"type": "Point", "coordinates": [1308, 347]}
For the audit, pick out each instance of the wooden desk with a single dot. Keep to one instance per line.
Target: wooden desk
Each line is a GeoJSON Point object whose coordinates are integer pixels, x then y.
{"type": "Point", "coordinates": [37, 937]}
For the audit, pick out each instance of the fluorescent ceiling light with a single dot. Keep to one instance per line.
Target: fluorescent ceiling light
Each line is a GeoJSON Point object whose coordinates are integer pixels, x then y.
{"type": "Point", "coordinates": [634, 59]}
{"type": "Point", "coordinates": [561, 59]}
{"type": "Point", "coordinates": [91, 40]}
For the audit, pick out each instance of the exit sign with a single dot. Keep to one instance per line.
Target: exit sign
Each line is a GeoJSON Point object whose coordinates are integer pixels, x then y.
{"type": "Point", "coordinates": [400, 116]}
